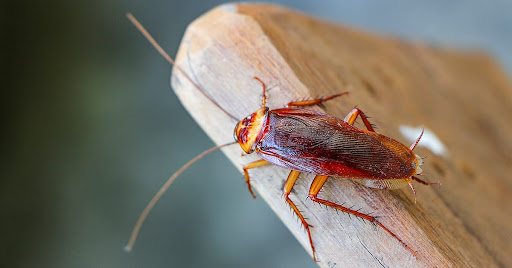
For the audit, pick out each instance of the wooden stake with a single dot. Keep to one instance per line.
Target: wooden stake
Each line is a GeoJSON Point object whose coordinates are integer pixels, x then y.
{"type": "Point", "coordinates": [464, 98]}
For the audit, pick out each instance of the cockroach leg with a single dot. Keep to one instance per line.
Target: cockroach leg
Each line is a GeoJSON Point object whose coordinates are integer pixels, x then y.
{"type": "Point", "coordinates": [255, 164]}
{"type": "Point", "coordinates": [263, 105]}
{"type": "Point", "coordinates": [319, 182]}
{"type": "Point", "coordinates": [288, 186]}
{"type": "Point", "coordinates": [408, 180]}
{"type": "Point", "coordinates": [425, 182]}
{"type": "Point", "coordinates": [420, 181]}
{"type": "Point", "coordinates": [352, 116]}
{"type": "Point", "coordinates": [313, 101]}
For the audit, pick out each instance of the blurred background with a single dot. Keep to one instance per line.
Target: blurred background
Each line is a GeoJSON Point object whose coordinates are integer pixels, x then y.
{"type": "Point", "coordinates": [93, 129]}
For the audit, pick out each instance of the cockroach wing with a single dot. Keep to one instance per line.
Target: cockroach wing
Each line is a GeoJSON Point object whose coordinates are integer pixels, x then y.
{"type": "Point", "coordinates": [318, 143]}
{"type": "Point", "coordinates": [382, 184]}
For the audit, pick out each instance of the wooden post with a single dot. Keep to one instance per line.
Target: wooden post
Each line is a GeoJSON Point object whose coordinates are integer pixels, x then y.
{"type": "Point", "coordinates": [463, 98]}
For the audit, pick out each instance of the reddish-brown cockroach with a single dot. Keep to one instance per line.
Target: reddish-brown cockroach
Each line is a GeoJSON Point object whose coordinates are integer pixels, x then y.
{"type": "Point", "coordinates": [312, 142]}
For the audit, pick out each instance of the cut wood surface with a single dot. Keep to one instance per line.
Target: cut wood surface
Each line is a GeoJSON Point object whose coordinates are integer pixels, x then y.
{"type": "Point", "coordinates": [464, 98]}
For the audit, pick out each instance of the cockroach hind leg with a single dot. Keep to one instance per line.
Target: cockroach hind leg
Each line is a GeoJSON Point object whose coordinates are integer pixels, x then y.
{"type": "Point", "coordinates": [318, 183]}
{"type": "Point", "coordinates": [352, 116]}
{"type": "Point", "coordinates": [287, 189]}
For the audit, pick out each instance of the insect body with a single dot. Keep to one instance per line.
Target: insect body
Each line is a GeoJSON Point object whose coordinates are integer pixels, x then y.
{"type": "Point", "coordinates": [312, 142]}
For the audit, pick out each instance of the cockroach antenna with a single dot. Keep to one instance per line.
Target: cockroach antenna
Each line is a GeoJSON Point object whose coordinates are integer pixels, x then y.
{"type": "Point", "coordinates": [338, 154]}
{"type": "Point", "coordinates": [168, 183]}
{"type": "Point", "coordinates": [151, 40]}
{"type": "Point", "coordinates": [162, 190]}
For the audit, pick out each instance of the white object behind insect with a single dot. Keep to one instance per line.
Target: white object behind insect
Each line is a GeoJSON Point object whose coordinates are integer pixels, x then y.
{"type": "Point", "coordinates": [429, 139]}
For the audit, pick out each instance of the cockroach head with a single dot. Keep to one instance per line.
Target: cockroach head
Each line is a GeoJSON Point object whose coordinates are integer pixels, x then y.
{"type": "Point", "coordinates": [418, 162]}
{"type": "Point", "coordinates": [250, 129]}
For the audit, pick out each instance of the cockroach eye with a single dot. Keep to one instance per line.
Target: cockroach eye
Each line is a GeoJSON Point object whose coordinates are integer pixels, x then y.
{"type": "Point", "coordinates": [235, 136]}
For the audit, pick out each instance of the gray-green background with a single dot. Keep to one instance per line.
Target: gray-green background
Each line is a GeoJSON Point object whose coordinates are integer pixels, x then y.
{"type": "Point", "coordinates": [92, 130]}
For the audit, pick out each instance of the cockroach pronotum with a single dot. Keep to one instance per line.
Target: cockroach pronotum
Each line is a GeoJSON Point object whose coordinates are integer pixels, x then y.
{"type": "Point", "coordinates": [312, 142]}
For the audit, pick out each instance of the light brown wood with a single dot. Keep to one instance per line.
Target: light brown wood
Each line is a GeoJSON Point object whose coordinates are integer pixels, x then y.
{"type": "Point", "coordinates": [464, 98]}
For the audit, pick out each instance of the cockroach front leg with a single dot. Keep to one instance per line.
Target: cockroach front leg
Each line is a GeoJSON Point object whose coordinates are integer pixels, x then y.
{"type": "Point", "coordinates": [428, 183]}
{"type": "Point", "coordinates": [352, 116]}
{"type": "Point", "coordinates": [255, 164]}
{"type": "Point", "coordinates": [420, 181]}
{"type": "Point", "coordinates": [313, 101]}
{"type": "Point", "coordinates": [319, 182]}
{"type": "Point", "coordinates": [287, 189]}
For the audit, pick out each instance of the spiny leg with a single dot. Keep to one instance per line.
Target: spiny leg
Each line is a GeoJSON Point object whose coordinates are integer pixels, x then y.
{"type": "Point", "coordinates": [318, 183]}
{"type": "Point", "coordinates": [255, 164]}
{"type": "Point", "coordinates": [425, 182]}
{"type": "Point", "coordinates": [352, 116]}
{"type": "Point", "coordinates": [313, 101]}
{"type": "Point", "coordinates": [264, 101]}
{"type": "Point", "coordinates": [288, 186]}
{"type": "Point", "coordinates": [298, 103]}
{"type": "Point", "coordinates": [408, 180]}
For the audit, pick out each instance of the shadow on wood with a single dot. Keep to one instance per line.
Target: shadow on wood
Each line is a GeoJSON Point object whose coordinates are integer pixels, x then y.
{"type": "Point", "coordinates": [464, 98]}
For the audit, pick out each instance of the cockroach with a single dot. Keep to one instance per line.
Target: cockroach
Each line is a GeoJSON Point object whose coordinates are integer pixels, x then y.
{"type": "Point", "coordinates": [307, 141]}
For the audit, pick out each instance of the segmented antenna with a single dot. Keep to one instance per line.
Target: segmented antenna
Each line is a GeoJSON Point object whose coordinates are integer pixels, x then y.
{"type": "Point", "coordinates": [168, 183]}
{"type": "Point", "coordinates": [162, 190]}
{"type": "Point", "coordinates": [171, 61]}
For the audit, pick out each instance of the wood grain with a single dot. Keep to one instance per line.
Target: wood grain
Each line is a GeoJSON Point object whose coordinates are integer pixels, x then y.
{"type": "Point", "coordinates": [464, 98]}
